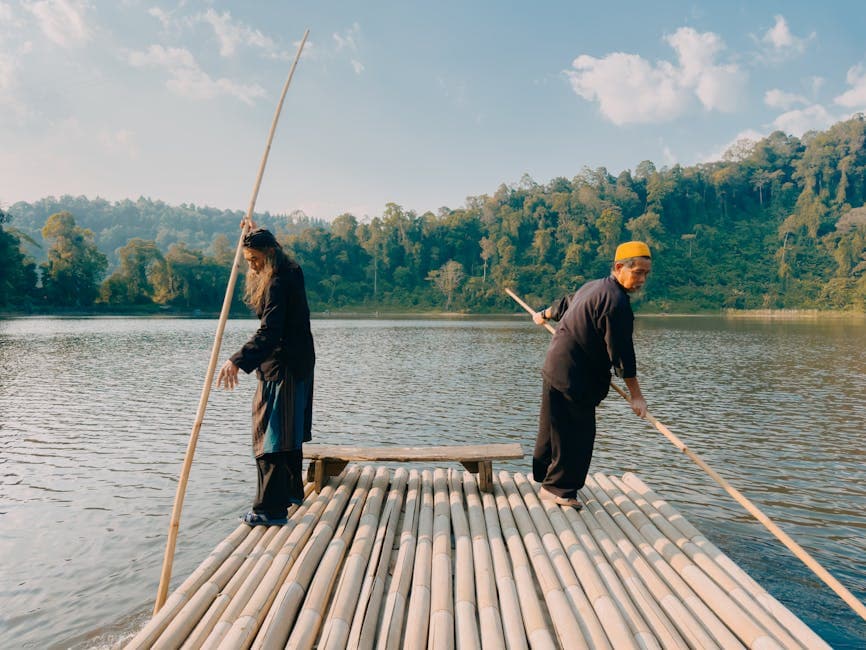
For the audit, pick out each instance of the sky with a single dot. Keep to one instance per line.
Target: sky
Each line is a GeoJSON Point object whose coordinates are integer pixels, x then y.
{"type": "Point", "coordinates": [418, 103]}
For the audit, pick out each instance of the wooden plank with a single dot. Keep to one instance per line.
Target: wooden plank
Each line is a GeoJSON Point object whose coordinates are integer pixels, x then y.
{"type": "Point", "coordinates": [458, 453]}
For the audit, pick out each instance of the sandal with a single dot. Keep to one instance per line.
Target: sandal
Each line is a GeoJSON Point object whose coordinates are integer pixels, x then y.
{"type": "Point", "coordinates": [260, 519]}
{"type": "Point", "coordinates": [568, 502]}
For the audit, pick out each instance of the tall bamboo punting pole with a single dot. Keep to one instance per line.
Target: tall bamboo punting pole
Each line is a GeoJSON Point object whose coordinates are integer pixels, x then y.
{"type": "Point", "coordinates": [781, 535]}
{"type": "Point", "coordinates": [168, 558]}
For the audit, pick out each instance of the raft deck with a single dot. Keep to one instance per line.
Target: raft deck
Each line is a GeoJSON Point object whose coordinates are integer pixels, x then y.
{"type": "Point", "coordinates": [400, 558]}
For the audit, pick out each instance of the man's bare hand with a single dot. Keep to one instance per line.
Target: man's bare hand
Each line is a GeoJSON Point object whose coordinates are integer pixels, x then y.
{"type": "Point", "coordinates": [538, 318]}
{"type": "Point", "coordinates": [228, 377]}
{"type": "Point", "coordinates": [638, 405]}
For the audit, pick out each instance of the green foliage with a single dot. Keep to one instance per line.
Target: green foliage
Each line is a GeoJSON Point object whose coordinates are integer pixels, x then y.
{"type": "Point", "coordinates": [17, 270]}
{"type": "Point", "coordinates": [779, 223]}
{"type": "Point", "coordinates": [70, 276]}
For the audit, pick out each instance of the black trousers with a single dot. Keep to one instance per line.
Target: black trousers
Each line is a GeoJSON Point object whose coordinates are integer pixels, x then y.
{"type": "Point", "coordinates": [280, 483]}
{"type": "Point", "coordinates": [563, 448]}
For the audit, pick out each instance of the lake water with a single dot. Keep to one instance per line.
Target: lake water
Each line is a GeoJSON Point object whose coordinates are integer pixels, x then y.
{"type": "Point", "coordinates": [95, 416]}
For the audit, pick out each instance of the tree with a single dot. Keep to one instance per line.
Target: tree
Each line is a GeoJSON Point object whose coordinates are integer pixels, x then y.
{"type": "Point", "coordinates": [17, 270]}
{"type": "Point", "coordinates": [70, 277]}
{"type": "Point", "coordinates": [447, 279]}
{"type": "Point", "coordinates": [488, 248]}
{"type": "Point", "coordinates": [133, 282]}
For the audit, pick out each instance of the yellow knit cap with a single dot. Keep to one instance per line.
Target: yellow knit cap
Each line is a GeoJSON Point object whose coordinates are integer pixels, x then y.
{"type": "Point", "coordinates": [631, 249]}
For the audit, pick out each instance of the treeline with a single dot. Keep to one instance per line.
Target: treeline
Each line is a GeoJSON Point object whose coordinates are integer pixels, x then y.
{"type": "Point", "coordinates": [779, 223]}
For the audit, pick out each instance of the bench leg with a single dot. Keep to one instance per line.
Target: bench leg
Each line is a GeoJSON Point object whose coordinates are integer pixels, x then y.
{"type": "Point", "coordinates": [320, 470]}
{"type": "Point", "coordinates": [484, 469]}
{"type": "Point", "coordinates": [485, 476]}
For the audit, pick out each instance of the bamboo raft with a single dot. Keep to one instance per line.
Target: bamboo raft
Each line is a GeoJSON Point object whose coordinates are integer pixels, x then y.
{"type": "Point", "coordinates": [397, 558]}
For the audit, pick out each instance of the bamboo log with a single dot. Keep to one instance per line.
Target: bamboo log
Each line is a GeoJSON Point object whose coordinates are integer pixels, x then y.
{"type": "Point", "coordinates": [559, 537]}
{"type": "Point", "coordinates": [228, 603]}
{"type": "Point", "coordinates": [280, 620]}
{"type": "Point", "coordinates": [489, 615]}
{"type": "Point", "coordinates": [157, 624]}
{"type": "Point", "coordinates": [225, 579]}
{"type": "Point", "coordinates": [672, 535]}
{"type": "Point", "coordinates": [367, 612]}
{"type": "Point", "coordinates": [632, 596]}
{"type": "Point", "coordinates": [586, 614]}
{"type": "Point", "coordinates": [465, 610]}
{"type": "Point", "coordinates": [739, 621]}
{"type": "Point", "coordinates": [248, 612]}
{"type": "Point", "coordinates": [441, 634]}
{"type": "Point", "coordinates": [497, 512]}
{"type": "Point", "coordinates": [360, 542]}
{"type": "Point", "coordinates": [174, 525]}
{"type": "Point", "coordinates": [391, 627]}
{"type": "Point", "coordinates": [319, 522]}
{"type": "Point", "coordinates": [782, 614]}
{"type": "Point", "coordinates": [570, 628]}
{"type": "Point", "coordinates": [688, 624]}
{"type": "Point", "coordinates": [709, 620]}
{"type": "Point", "coordinates": [420, 595]}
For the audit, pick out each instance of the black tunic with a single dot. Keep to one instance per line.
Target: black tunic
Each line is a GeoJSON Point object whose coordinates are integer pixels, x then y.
{"type": "Point", "coordinates": [283, 344]}
{"type": "Point", "coordinates": [594, 334]}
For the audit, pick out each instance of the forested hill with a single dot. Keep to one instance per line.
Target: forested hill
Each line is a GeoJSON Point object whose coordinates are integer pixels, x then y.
{"type": "Point", "coordinates": [780, 223]}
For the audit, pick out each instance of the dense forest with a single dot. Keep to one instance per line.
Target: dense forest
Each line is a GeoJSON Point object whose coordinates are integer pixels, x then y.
{"type": "Point", "coordinates": [779, 223]}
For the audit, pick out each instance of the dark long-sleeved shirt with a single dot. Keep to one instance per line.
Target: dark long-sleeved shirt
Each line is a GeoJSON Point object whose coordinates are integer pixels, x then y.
{"type": "Point", "coordinates": [594, 334]}
{"type": "Point", "coordinates": [283, 344]}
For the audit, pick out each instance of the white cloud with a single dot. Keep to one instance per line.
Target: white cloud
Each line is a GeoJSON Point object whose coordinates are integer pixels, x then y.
{"type": "Point", "coordinates": [630, 89]}
{"type": "Point", "coordinates": [188, 79]}
{"type": "Point", "coordinates": [348, 39]}
{"type": "Point", "coordinates": [233, 33]}
{"type": "Point", "coordinates": [776, 98]}
{"type": "Point", "coordinates": [161, 15]}
{"type": "Point", "coordinates": [855, 97]}
{"type": "Point", "coordinates": [668, 156]}
{"type": "Point", "coordinates": [358, 66]}
{"type": "Point", "coordinates": [780, 43]}
{"type": "Point", "coordinates": [62, 21]}
{"type": "Point", "coordinates": [797, 122]}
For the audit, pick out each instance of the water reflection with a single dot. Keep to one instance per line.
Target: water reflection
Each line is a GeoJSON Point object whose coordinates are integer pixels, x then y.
{"type": "Point", "coordinates": [95, 416]}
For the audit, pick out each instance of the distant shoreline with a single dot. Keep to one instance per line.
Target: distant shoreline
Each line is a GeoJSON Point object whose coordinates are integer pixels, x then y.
{"type": "Point", "coordinates": [760, 314]}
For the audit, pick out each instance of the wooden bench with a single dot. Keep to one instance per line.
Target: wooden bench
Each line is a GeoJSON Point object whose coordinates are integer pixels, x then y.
{"type": "Point", "coordinates": [329, 460]}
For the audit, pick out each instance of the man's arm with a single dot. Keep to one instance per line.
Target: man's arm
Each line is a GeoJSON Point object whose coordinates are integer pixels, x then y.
{"type": "Point", "coordinates": [554, 312]}
{"type": "Point", "coordinates": [638, 403]}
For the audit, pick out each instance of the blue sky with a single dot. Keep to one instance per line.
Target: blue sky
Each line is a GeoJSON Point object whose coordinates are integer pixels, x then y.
{"type": "Point", "coordinates": [422, 104]}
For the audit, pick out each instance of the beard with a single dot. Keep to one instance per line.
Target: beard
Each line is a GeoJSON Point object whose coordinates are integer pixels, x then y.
{"type": "Point", "coordinates": [256, 285]}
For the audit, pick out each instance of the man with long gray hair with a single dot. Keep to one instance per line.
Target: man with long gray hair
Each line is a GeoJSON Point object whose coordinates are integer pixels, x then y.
{"type": "Point", "coordinates": [282, 354]}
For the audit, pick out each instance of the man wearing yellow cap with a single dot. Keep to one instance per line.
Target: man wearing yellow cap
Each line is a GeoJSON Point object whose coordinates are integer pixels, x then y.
{"type": "Point", "coordinates": [594, 335]}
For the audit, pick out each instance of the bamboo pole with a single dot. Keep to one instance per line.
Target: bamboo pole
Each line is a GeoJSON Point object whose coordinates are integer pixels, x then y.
{"type": "Point", "coordinates": [391, 626]}
{"type": "Point", "coordinates": [560, 538]}
{"type": "Point", "coordinates": [224, 551]}
{"type": "Point", "coordinates": [419, 599]}
{"type": "Point", "coordinates": [489, 616]}
{"type": "Point", "coordinates": [670, 535]}
{"type": "Point", "coordinates": [174, 525]}
{"type": "Point", "coordinates": [707, 617]}
{"type": "Point", "coordinates": [630, 593]}
{"type": "Point", "coordinates": [363, 631]}
{"type": "Point", "coordinates": [737, 620]}
{"type": "Point", "coordinates": [571, 629]}
{"type": "Point", "coordinates": [497, 512]}
{"type": "Point", "coordinates": [465, 608]}
{"type": "Point", "coordinates": [239, 631]}
{"type": "Point", "coordinates": [279, 622]}
{"type": "Point", "coordinates": [441, 632]}
{"type": "Point", "coordinates": [799, 552]}
{"type": "Point", "coordinates": [802, 632]}
{"type": "Point", "coordinates": [226, 578]}
{"type": "Point", "coordinates": [359, 541]}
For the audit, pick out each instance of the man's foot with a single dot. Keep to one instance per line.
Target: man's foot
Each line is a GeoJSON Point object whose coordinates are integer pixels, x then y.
{"type": "Point", "coordinates": [260, 519]}
{"type": "Point", "coordinates": [568, 502]}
